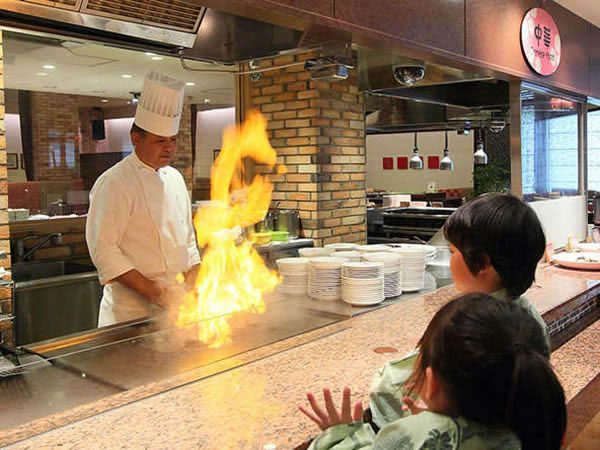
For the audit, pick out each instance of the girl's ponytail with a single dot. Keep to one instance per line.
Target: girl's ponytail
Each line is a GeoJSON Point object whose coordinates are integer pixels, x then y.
{"type": "Point", "coordinates": [535, 407]}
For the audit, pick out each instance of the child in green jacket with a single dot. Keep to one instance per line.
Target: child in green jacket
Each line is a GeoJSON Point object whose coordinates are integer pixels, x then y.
{"type": "Point", "coordinates": [484, 376]}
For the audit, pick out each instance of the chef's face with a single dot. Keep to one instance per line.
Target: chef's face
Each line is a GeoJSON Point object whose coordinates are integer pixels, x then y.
{"type": "Point", "coordinates": [154, 150]}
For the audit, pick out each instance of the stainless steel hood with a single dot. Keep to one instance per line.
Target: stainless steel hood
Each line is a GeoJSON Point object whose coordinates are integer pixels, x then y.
{"type": "Point", "coordinates": [445, 98]}
{"type": "Point", "coordinates": [163, 26]}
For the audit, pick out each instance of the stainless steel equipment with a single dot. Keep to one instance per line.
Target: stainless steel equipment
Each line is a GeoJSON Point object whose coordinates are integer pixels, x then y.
{"type": "Point", "coordinates": [267, 224]}
{"type": "Point", "coordinates": [417, 225]}
{"type": "Point", "coordinates": [53, 299]}
{"type": "Point", "coordinates": [288, 220]}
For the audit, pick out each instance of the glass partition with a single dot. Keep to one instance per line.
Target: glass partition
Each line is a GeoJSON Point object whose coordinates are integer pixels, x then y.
{"type": "Point", "coordinates": [549, 145]}
{"type": "Point", "coordinates": [593, 147]}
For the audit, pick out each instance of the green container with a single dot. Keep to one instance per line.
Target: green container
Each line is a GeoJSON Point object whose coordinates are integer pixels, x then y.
{"type": "Point", "coordinates": [281, 236]}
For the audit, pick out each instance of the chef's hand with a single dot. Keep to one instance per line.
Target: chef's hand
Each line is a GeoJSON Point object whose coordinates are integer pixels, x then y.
{"type": "Point", "coordinates": [147, 288]}
{"type": "Point", "coordinates": [153, 291]}
{"type": "Point", "coordinates": [190, 277]}
{"type": "Point", "coordinates": [331, 416]}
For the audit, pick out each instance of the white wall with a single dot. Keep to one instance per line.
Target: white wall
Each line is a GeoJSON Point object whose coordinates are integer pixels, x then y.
{"type": "Point", "coordinates": [118, 135]}
{"type": "Point", "coordinates": [209, 131]}
{"type": "Point", "coordinates": [562, 217]}
{"type": "Point", "coordinates": [14, 145]}
{"type": "Point", "coordinates": [429, 143]}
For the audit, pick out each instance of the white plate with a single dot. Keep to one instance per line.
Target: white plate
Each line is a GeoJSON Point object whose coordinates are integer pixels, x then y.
{"type": "Point", "coordinates": [570, 260]}
{"type": "Point", "coordinates": [588, 247]}
{"type": "Point", "coordinates": [310, 252]}
{"type": "Point", "coordinates": [423, 247]}
{"type": "Point", "coordinates": [342, 246]}
{"type": "Point", "coordinates": [374, 248]}
{"type": "Point", "coordinates": [374, 302]}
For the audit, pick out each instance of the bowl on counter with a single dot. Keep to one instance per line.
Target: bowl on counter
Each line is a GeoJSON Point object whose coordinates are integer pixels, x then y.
{"type": "Point", "coordinates": [260, 238]}
{"type": "Point", "coordinates": [279, 236]}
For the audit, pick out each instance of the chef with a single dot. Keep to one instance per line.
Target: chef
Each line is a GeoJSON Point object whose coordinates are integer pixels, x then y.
{"type": "Point", "coordinates": [139, 227]}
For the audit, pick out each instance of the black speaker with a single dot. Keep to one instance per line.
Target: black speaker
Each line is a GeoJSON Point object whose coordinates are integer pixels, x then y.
{"type": "Point", "coordinates": [98, 130]}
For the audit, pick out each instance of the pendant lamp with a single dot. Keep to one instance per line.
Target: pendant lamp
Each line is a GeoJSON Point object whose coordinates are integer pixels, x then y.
{"type": "Point", "coordinates": [415, 161]}
{"type": "Point", "coordinates": [446, 163]}
{"type": "Point", "coordinates": [480, 158]}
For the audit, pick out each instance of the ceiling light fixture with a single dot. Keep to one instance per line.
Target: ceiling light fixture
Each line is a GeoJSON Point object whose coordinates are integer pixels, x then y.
{"type": "Point", "coordinates": [104, 100]}
{"type": "Point", "coordinates": [446, 163]}
{"type": "Point", "coordinates": [190, 83]}
{"type": "Point", "coordinates": [49, 66]}
{"type": "Point", "coordinates": [480, 158]}
{"type": "Point", "coordinates": [149, 54]}
{"type": "Point", "coordinates": [207, 100]}
{"type": "Point", "coordinates": [41, 74]}
{"type": "Point", "coordinates": [126, 75]}
{"type": "Point", "coordinates": [416, 162]}
{"type": "Point", "coordinates": [157, 58]}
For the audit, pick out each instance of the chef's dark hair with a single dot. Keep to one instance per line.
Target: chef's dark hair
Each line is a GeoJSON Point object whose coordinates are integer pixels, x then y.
{"type": "Point", "coordinates": [504, 229]}
{"type": "Point", "coordinates": [137, 130]}
{"type": "Point", "coordinates": [492, 361]}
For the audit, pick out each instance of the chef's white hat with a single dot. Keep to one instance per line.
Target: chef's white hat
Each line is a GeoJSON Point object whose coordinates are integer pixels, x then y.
{"type": "Point", "coordinates": [160, 105]}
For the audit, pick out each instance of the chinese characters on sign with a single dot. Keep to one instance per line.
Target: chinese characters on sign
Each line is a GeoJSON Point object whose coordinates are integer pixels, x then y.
{"type": "Point", "coordinates": [540, 40]}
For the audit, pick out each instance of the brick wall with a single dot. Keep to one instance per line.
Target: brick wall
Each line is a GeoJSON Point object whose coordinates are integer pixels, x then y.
{"type": "Point", "coordinates": [55, 131]}
{"type": "Point", "coordinates": [5, 293]}
{"type": "Point", "coordinates": [317, 128]}
{"type": "Point", "coordinates": [183, 158]}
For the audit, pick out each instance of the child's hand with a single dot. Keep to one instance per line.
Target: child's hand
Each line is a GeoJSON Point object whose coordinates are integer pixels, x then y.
{"type": "Point", "coordinates": [415, 407]}
{"type": "Point", "coordinates": [330, 417]}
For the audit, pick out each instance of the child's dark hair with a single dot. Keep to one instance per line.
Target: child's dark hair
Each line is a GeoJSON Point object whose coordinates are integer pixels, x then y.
{"type": "Point", "coordinates": [492, 361]}
{"type": "Point", "coordinates": [504, 229]}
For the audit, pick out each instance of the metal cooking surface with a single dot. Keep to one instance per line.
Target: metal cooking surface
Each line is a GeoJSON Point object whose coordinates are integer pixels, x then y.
{"type": "Point", "coordinates": [48, 390]}
{"type": "Point", "coordinates": [145, 355]}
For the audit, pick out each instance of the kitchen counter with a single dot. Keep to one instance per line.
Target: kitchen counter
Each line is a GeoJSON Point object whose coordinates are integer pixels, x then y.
{"type": "Point", "coordinates": [255, 403]}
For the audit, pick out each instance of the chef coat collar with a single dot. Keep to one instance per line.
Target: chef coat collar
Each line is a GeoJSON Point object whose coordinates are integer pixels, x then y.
{"type": "Point", "coordinates": [141, 164]}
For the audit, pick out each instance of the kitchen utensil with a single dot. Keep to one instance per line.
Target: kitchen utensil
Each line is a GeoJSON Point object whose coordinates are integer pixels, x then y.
{"type": "Point", "coordinates": [288, 220]}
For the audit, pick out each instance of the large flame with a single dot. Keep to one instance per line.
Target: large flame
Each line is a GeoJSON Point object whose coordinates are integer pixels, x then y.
{"type": "Point", "coordinates": [232, 276]}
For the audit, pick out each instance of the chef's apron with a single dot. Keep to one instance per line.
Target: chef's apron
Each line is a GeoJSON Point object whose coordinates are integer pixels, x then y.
{"type": "Point", "coordinates": [121, 303]}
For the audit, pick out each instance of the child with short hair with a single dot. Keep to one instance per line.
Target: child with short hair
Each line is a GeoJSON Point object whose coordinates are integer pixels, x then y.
{"type": "Point", "coordinates": [484, 375]}
{"type": "Point", "coordinates": [496, 241]}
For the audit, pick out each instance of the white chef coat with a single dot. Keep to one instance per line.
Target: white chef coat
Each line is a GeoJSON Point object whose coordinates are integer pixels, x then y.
{"type": "Point", "coordinates": [139, 218]}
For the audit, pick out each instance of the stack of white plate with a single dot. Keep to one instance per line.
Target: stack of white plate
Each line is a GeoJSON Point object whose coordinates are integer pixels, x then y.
{"type": "Point", "coordinates": [313, 252]}
{"type": "Point", "coordinates": [351, 255]}
{"type": "Point", "coordinates": [294, 273]}
{"type": "Point", "coordinates": [413, 267]}
{"type": "Point", "coordinates": [324, 277]}
{"type": "Point", "coordinates": [342, 246]}
{"type": "Point", "coordinates": [363, 283]}
{"type": "Point", "coordinates": [373, 248]}
{"type": "Point", "coordinates": [430, 250]}
{"type": "Point", "coordinates": [392, 269]}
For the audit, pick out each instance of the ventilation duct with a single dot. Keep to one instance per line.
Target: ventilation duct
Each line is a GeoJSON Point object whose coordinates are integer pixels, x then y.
{"type": "Point", "coordinates": [177, 27]}
{"type": "Point", "coordinates": [439, 98]}
{"type": "Point", "coordinates": [175, 14]}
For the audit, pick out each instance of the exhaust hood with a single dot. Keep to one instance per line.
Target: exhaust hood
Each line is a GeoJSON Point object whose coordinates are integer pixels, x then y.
{"type": "Point", "coordinates": [164, 26]}
{"type": "Point", "coordinates": [436, 98]}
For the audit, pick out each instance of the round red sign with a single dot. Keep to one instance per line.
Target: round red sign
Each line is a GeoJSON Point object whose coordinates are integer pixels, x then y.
{"type": "Point", "coordinates": [541, 41]}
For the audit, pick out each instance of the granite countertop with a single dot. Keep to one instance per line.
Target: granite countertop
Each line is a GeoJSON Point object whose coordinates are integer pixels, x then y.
{"type": "Point", "coordinates": [256, 403]}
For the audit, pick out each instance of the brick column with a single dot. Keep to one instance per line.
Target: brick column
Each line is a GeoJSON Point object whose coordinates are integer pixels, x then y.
{"type": "Point", "coordinates": [317, 128]}
{"type": "Point", "coordinates": [55, 135]}
{"type": "Point", "coordinates": [5, 293]}
{"type": "Point", "coordinates": [183, 158]}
